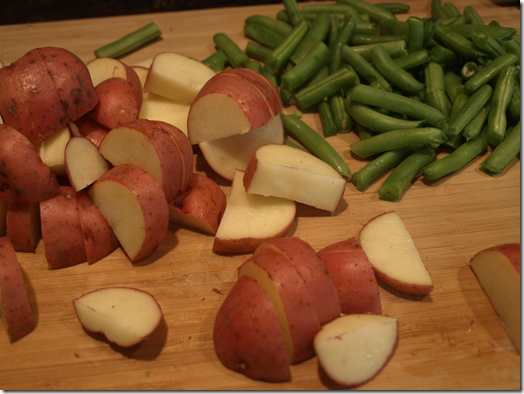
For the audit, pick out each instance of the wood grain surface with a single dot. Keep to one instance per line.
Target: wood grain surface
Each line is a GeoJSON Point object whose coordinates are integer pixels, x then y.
{"type": "Point", "coordinates": [451, 339]}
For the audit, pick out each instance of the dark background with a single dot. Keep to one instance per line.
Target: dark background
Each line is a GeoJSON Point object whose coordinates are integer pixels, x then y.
{"type": "Point", "coordinates": [31, 11]}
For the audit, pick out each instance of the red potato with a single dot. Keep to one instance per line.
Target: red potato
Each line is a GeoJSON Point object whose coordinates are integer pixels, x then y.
{"type": "Point", "coordinates": [292, 302]}
{"type": "Point", "coordinates": [316, 277]}
{"type": "Point", "coordinates": [135, 206]}
{"type": "Point", "coordinates": [23, 226]}
{"type": "Point", "coordinates": [99, 238]}
{"type": "Point", "coordinates": [3, 218]}
{"type": "Point", "coordinates": [201, 206]}
{"type": "Point", "coordinates": [117, 104]}
{"type": "Point", "coordinates": [353, 276]}
{"type": "Point", "coordinates": [44, 90]}
{"type": "Point", "coordinates": [247, 336]}
{"type": "Point", "coordinates": [147, 145]}
{"type": "Point", "coordinates": [87, 127]}
{"type": "Point", "coordinates": [61, 230]}
{"type": "Point", "coordinates": [51, 150]}
{"type": "Point", "coordinates": [14, 302]}
{"type": "Point", "coordinates": [23, 176]}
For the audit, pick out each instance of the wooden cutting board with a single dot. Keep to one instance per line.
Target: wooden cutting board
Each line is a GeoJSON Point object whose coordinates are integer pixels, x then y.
{"type": "Point", "coordinates": [451, 339]}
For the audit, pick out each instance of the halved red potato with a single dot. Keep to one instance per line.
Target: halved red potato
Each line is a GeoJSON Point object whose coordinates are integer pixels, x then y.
{"type": "Point", "coordinates": [14, 302]}
{"type": "Point", "coordinates": [292, 302]}
{"type": "Point", "coordinates": [23, 176]}
{"type": "Point", "coordinates": [316, 277]}
{"type": "Point", "coordinates": [156, 107]}
{"type": "Point", "coordinates": [23, 226]}
{"type": "Point", "coordinates": [147, 145]}
{"type": "Point", "coordinates": [99, 238]}
{"type": "Point", "coordinates": [51, 150]}
{"type": "Point", "coordinates": [135, 206]}
{"type": "Point", "coordinates": [353, 276]}
{"type": "Point", "coordinates": [3, 217]}
{"type": "Point", "coordinates": [247, 334]}
{"type": "Point", "coordinates": [61, 230]}
{"type": "Point", "coordinates": [89, 128]}
{"type": "Point", "coordinates": [200, 207]}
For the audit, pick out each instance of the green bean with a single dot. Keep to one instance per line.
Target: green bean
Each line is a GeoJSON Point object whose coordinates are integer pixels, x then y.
{"type": "Point", "coordinates": [506, 151]}
{"type": "Point", "coordinates": [404, 173]}
{"type": "Point", "coordinates": [436, 88]}
{"type": "Point", "coordinates": [344, 9]}
{"type": "Point", "coordinates": [400, 104]}
{"type": "Point", "coordinates": [364, 69]}
{"type": "Point", "coordinates": [436, 9]}
{"type": "Point", "coordinates": [130, 42]}
{"type": "Point", "coordinates": [468, 70]}
{"type": "Point", "coordinates": [217, 61]}
{"type": "Point", "coordinates": [271, 77]}
{"type": "Point", "coordinates": [366, 39]}
{"type": "Point", "coordinates": [489, 72]}
{"type": "Point", "coordinates": [279, 56]}
{"type": "Point", "coordinates": [236, 56]}
{"type": "Point", "coordinates": [456, 159]}
{"type": "Point", "coordinates": [497, 32]}
{"type": "Point", "coordinates": [333, 83]}
{"type": "Point", "coordinates": [394, 8]}
{"type": "Point", "coordinates": [395, 49]}
{"type": "Point", "coordinates": [514, 103]}
{"type": "Point", "coordinates": [306, 68]}
{"type": "Point", "coordinates": [394, 27]}
{"type": "Point", "coordinates": [288, 142]}
{"type": "Point", "coordinates": [413, 59]}
{"type": "Point", "coordinates": [469, 109]}
{"type": "Point", "coordinates": [473, 16]}
{"type": "Point", "coordinates": [393, 73]}
{"type": "Point", "coordinates": [326, 119]}
{"type": "Point", "coordinates": [457, 42]}
{"type": "Point", "coordinates": [451, 9]}
{"type": "Point", "coordinates": [279, 26]}
{"type": "Point", "coordinates": [488, 44]}
{"type": "Point", "coordinates": [397, 139]}
{"type": "Point", "coordinates": [460, 99]}
{"type": "Point", "coordinates": [255, 66]}
{"type": "Point", "coordinates": [378, 166]}
{"type": "Point", "coordinates": [499, 104]}
{"type": "Point", "coordinates": [376, 121]}
{"type": "Point", "coordinates": [285, 94]}
{"type": "Point", "coordinates": [256, 51]}
{"type": "Point", "coordinates": [452, 85]}
{"type": "Point", "coordinates": [511, 47]}
{"type": "Point", "coordinates": [459, 20]}
{"type": "Point", "coordinates": [320, 75]}
{"type": "Point", "coordinates": [344, 35]}
{"type": "Point", "coordinates": [283, 16]}
{"type": "Point", "coordinates": [263, 35]}
{"type": "Point", "coordinates": [375, 12]}
{"type": "Point", "coordinates": [333, 31]}
{"type": "Point", "coordinates": [317, 33]}
{"type": "Point", "coordinates": [416, 34]}
{"type": "Point", "coordinates": [475, 125]}
{"type": "Point", "coordinates": [316, 144]}
{"type": "Point", "coordinates": [342, 120]}
{"type": "Point", "coordinates": [364, 132]}
{"type": "Point", "coordinates": [443, 55]}
{"type": "Point", "coordinates": [293, 12]}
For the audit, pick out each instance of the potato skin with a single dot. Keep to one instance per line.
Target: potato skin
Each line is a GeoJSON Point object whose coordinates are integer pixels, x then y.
{"type": "Point", "coordinates": [14, 308]}
{"type": "Point", "coordinates": [247, 334]}
{"type": "Point", "coordinates": [24, 178]}
{"type": "Point", "coordinates": [23, 226]}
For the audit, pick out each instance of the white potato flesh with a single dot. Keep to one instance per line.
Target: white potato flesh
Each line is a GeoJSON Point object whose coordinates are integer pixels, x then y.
{"type": "Point", "coordinates": [84, 162]}
{"type": "Point", "coordinates": [126, 316]}
{"type": "Point", "coordinates": [51, 150]}
{"type": "Point", "coordinates": [155, 107]}
{"type": "Point", "coordinates": [101, 69]}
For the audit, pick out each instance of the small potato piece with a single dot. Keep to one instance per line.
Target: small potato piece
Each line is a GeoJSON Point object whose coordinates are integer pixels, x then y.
{"type": "Point", "coordinates": [354, 277]}
{"type": "Point", "coordinates": [14, 302]}
{"type": "Point", "coordinates": [23, 226]}
{"type": "Point", "coordinates": [61, 230]}
{"type": "Point", "coordinates": [24, 177]}
{"type": "Point", "coordinates": [89, 128]}
{"type": "Point", "coordinates": [247, 334]}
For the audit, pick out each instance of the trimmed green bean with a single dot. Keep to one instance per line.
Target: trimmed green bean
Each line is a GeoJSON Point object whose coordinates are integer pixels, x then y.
{"type": "Point", "coordinates": [457, 42]}
{"type": "Point", "coordinates": [394, 27]}
{"type": "Point", "coordinates": [394, 8]}
{"type": "Point", "coordinates": [436, 9]}
{"type": "Point", "coordinates": [283, 16]}
{"type": "Point", "coordinates": [306, 68]}
{"type": "Point", "coordinates": [256, 51]}
{"type": "Point", "coordinates": [285, 94]}
{"type": "Point", "coordinates": [451, 9]}
{"type": "Point", "coordinates": [393, 73]}
{"type": "Point", "coordinates": [398, 139]}
{"type": "Point", "coordinates": [472, 16]}
{"type": "Point", "coordinates": [395, 49]}
{"type": "Point", "coordinates": [345, 34]}
{"type": "Point", "coordinates": [364, 132]}
{"type": "Point", "coordinates": [468, 70]}
{"type": "Point", "coordinates": [263, 35]}
{"type": "Point", "coordinates": [376, 121]}
{"type": "Point", "coordinates": [316, 144]}
{"type": "Point", "coordinates": [279, 26]}
{"type": "Point", "coordinates": [497, 32]}
{"type": "Point", "coordinates": [130, 42]}
{"type": "Point", "coordinates": [443, 55]}
{"type": "Point", "coordinates": [366, 39]}
{"type": "Point", "coordinates": [255, 66]}
{"type": "Point", "coordinates": [506, 151]}
{"type": "Point", "coordinates": [288, 142]}
{"type": "Point", "coordinates": [333, 30]}
{"type": "Point", "coordinates": [378, 166]}
{"type": "Point", "coordinates": [416, 34]}
{"type": "Point", "coordinates": [404, 172]}
{"type": "Point", "coordinates": [488, 44]}
{"type": "Point", "coordinates": [314, 93]}
{"type": "Point", "coordinates": [400, 104]}
{"type": "Point", "coordinates": [236, 56]}
{"type": "Point", "coordinates": [489, 72]}
{"type": "Point", "coordinates": [342, 119]}
{"type": "Point", "coordinates": [344, 9]}
{"type": "Point", "coordinates": [475, 125]}
{"type": "Point", "coordinates": [326, 119]}
{"type": "Point", "coordinates": [514, 103]}
{"type": "Point", "coordinates": [469, 109]}
{"type": "Point", "coordinates": [413, 59]}
{"type": "Point", "coordinates": [217, 61]}
{"type": "Point", "coordinates": [271, 77]}
{"type": "Point", "coordinates": [459, 20]}
{"type": "Point", "coordinates": [280, 55]}
{"type": "Point", "coordinates": [452, 84]}
{"type": "Point", "coordinates": [436, 88]}
{"type": "Point", "coordinates": [317, 33]}
{"type": "Point", "coordinates": [456, 159]}
{"type": "Point", "coordinates": [499, 104]}
{"type": "Point", "coordinates": [375, 12]}
{"type": "Point", "coordinates": [320, 75]}
{"type": "Point", "coordinates": [364, 69]}
{"type": "Point", "coordinates": [293, 12]}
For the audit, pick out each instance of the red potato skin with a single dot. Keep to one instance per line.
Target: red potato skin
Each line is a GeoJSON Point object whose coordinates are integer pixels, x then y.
{"type": "Point", "coordinates": [203, 199]}
{"type": "Point", "coordinates": [14, 308]}
{"type": "Point", "coordinates": [91, 129]}
{"type": "Point", "coordinates": [242, 245]}
{"type": "Point", "coordinates": [99, 238]}
{"type": "Point", "coordinates": [299, 311]}
{"type": "Point", "coordinates": [150, 197]}
{"type": "Point", "coordinates": [354, 277]}
{"type": "Point", "coordinates": [24, 178]}
{"type": "Point", "coordinates": [317, 278]}
{"type": "Point", "coordinates": [511, 251]}
{"type": "Point", "coordinates": [19, 221]}
{"type": "Point", "coordinates": [44, 90]}
{"type": "Point", "coordinates": [61, 230]}
{"type": "Point", "coordinates": [247, 336]}
{"type": "Point", "coordinates": [117, 103]}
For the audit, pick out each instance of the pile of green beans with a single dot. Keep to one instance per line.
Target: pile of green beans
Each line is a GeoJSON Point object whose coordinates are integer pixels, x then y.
{"type": "Point", "coordinates": [425, 95]}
